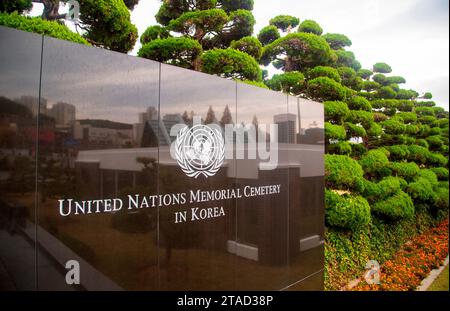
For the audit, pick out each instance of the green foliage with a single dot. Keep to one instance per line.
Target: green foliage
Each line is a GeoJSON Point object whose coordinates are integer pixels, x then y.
{"type": "Point", "coordinates": [435, 142]}
{"type": "Point", "coordinates": [284, 22]}
{"type": "Point", "coordinates": [398, 152]}
{"type": "Point", "coordinates": [254, 83]}
{"type": "Point", "coordinates": [382, 68]}
{"type": "Point", "coordinates": [347, 59]}
{"type": "Point", "coordinates": [334, 131]}
{"type": "Point", "coordinates": [386, 92]}
{"type": "Point", "coordinates": [337, 41]}
{"type": "Point", "coordinates": [231, 63]}
{"type": "Point", "coordinates": [354, 130]}
{"type": "Point", "coordinates": [19, 6]}
{"type": "Point", "coordinates": [350, 78]}
{"type": "Point", "coordinates": [436, 159]}
{"type": "Point", "coordinates": [335, 111]}
{"type": "Point", "coordinates": [324, 88]}
{"type": "Point", "coordinates": [197, 24]}
{"type": "Point", "coordinates": [358, 150]}
{"type": "Point", "coordinates": [359, 103]}
{"type": "Point", "coordinates": [154, 32]}
{"type": "Point", "coordinates": [249, 45]}
{"type": "Point", "coordinates": [421, 191]}
{"type": "Point", "coordinates": [109, 24]}
{"type": "Point", "coordinates": [292, 82]}
{"type": "Point", "coordinates": [342, 147]}
{"type": "Point", "coordinates": [406, 94]}
{"type": "Point", "coordinates": [347, 212]}
{"type": "Point", "coordinates": [324, 71]}
{"type": "Point", "coordinates": [395, 80]}
{"type": "Point", "coordinates": [393, 127]}
{"type": "Point", "coordinates": [234, 5]}
{"type": "Point", "coordinates": [370, 86]}
{"type": "Point", "coordinates": [427, 95]}
{"type": "Point", "coordinates": [365, 73]}
{"type": "Point", "coordinates": [441, 173]}
{"type": "Point", "coordinates": [399, 206]}
{"type": "Point", "coordinates": [375, 130]}
{"type": "Point", "coordinates": [343, 172]}
{"type": "Point", "coordinates": [379, 78]}
{"type": "Point", "coordinates": [424, 111]}
{"type": "Point", "coordinates": [310, 26]}
{"type": "Point", "coordinates": [38, 25]}
{"type": "Point", "coordinates": [418, 154]}
{"type": "Point", "coordinates": [408, 117]}
{"type": "Point", "coordinates": [387, 187]}
{"type": "Point", "coordinates": [182, 52]}
{"type": "Point", "coordinates": [268, 35]}
{"type": "Point", "coordinates": [315, 51]}
{"type": "Point", "coordinates": [362, 117]}
{"type": "Point", "coordinates": [375, 162]}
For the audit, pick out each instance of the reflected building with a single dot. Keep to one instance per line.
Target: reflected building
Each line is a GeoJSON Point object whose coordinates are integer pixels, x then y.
{"type": "Point", "coordinates": [286, 127]}
{"type": "Point", "coordinates": [63, 113]}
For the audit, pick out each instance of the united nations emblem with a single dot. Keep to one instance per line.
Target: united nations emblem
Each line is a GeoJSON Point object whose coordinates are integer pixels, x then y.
{"type": "Point", "coordinates": [200, 150]}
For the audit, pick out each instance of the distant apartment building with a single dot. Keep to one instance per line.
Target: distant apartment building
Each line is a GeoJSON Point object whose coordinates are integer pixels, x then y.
{"type": "Point", "coordinates": [103, 133]}
{"type": "Point", "coordinates": [63, 113]}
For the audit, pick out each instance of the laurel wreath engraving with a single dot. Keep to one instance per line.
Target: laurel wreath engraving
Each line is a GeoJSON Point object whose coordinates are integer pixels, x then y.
{"type": "Point", "coordinates": [186, 166]}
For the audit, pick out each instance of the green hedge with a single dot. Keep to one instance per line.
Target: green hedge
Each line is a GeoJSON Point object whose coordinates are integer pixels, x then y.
{"type": "Point", "coordinates": [396, 207]}
{"type": "Point", "coordinates": [343, 172]}
{"type": "Point", "coordinates": [40, 26]}
{"type": "Point", "coordinates": [346, 212]}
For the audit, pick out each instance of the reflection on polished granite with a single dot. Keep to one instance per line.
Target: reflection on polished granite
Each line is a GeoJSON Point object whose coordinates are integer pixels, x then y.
{"type": "Point", "coordinates": [104, 134]}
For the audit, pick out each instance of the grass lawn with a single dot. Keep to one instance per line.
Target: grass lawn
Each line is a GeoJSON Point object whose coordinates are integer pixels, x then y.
{"type": "Point", "coordinates": [441, 282]}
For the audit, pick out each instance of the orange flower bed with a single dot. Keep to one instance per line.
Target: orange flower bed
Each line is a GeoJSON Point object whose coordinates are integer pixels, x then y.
{"type": "Point", "coordinates": [413, 263]}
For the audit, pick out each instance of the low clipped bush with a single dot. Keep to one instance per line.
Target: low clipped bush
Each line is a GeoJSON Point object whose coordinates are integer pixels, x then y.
{"type": "Point", "coordinates": [343, 172]}
{"type": "Point", "coordinates": [435, 142]}
{"type": "Point", "coordinates": [354, 130]}
{"type": "Point", "coordinates": [406, 170]}
{"type": "Point", "coordinates": [359, 103]}
{"type": "Point", "coordinates": [375, 162]}
{"type": "Point", "coordinates": [41, 26]}
{"type": "Point", "coordinates": [428, 175]}
{"type": "Point", "coordinates": [342, 147]}
{"type": "Point", "coordinates": [358, 150]}
{"type": "Point", "coordinates": [362, 117]}
{"type": "Point", "coordinates": [387, 187]}
{"type": "Point", "coordinates": [324, 88]}
{"type": "Point", "coordinates": [398, 152]}
{"type": "Point", "coordinates": [334, 131]}
{"type": "Point", "coordinates": [442, 198]}
{"type": "Point", "coordinates": [324, 71]}
{"type": "Point", "coordinates": [441, 173]}
{"type": "Point", "coordinates": [335, 111]}
{"type": "Point", "coordinates": [346, 212]}
{"type": "Point", "coordinates": [436, 159]}
{"type": "Point", "coordinates": [421, 191]}
{"type": "Point", "coordinates": [399, 206]}
{"type": "Point", "coordinates": [393, 127]}
{"type": "Point", "coordinates": [418, 154]}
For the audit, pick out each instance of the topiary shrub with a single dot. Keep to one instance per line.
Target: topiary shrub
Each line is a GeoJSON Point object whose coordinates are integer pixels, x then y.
{"type": "Point", "coordinates": [385, 188]}
{"type": "Point", "coordinates": [428, 175]}
{"type": "Point", "coordinates": [324, 71]}
{"type": "Point", "coordinates": [398, 152]}
{"type": "Point", "coordinates": [406, 170]}
{"type": "Point", "coordinates": [359, 103]}
{"type": "Point", "coordinates": [346, 212]}
{"type": "Point", "coordinates": [396, 207]}
{"type": "Point", "coordinates": [153, 33]}
{"type": "Point", "coordinates": [358, 150]}
{"type": "Point", "coordinates": [40, 26]}
{"type": "Point", "coordinates": [324, 88]}
{"type": "Point", "coordinates": [435, 142]}
{"type": "Point", "coordinates": [436, 159]}
{"type": "Point", "coordinates": [249, 45]}
{"type": "Point", "coordinates": [441, 173]}
{"type": "Point", "coordinates": [362, 117]}
{"type": "Point", "coordinates": [442, 198]}
{"type": "Point", "coordinates": [421, 191]}
{"type": "Point", "coordinates": [375, 163]}
{"type": "Point", "coordinates": [342, 172]}
{"type": "Point", "coordinates": [336, 132]}
{"type": "Point", "coordinates": [354, 130]}
{"type": "Point", "coordinates": [335, 111]}
{"type": "Point", "coordinates": [342, 147]}
{"type": "Point", "coordinates": [310, 26]}
{"type": "Point", "coordinates": [393, 127]}
{"type": "Point", "coordinates": [418, 154]}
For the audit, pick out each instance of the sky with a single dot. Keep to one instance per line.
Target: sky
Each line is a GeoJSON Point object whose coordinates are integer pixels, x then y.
{"type": "Point", "coordinates": [410, 35]}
